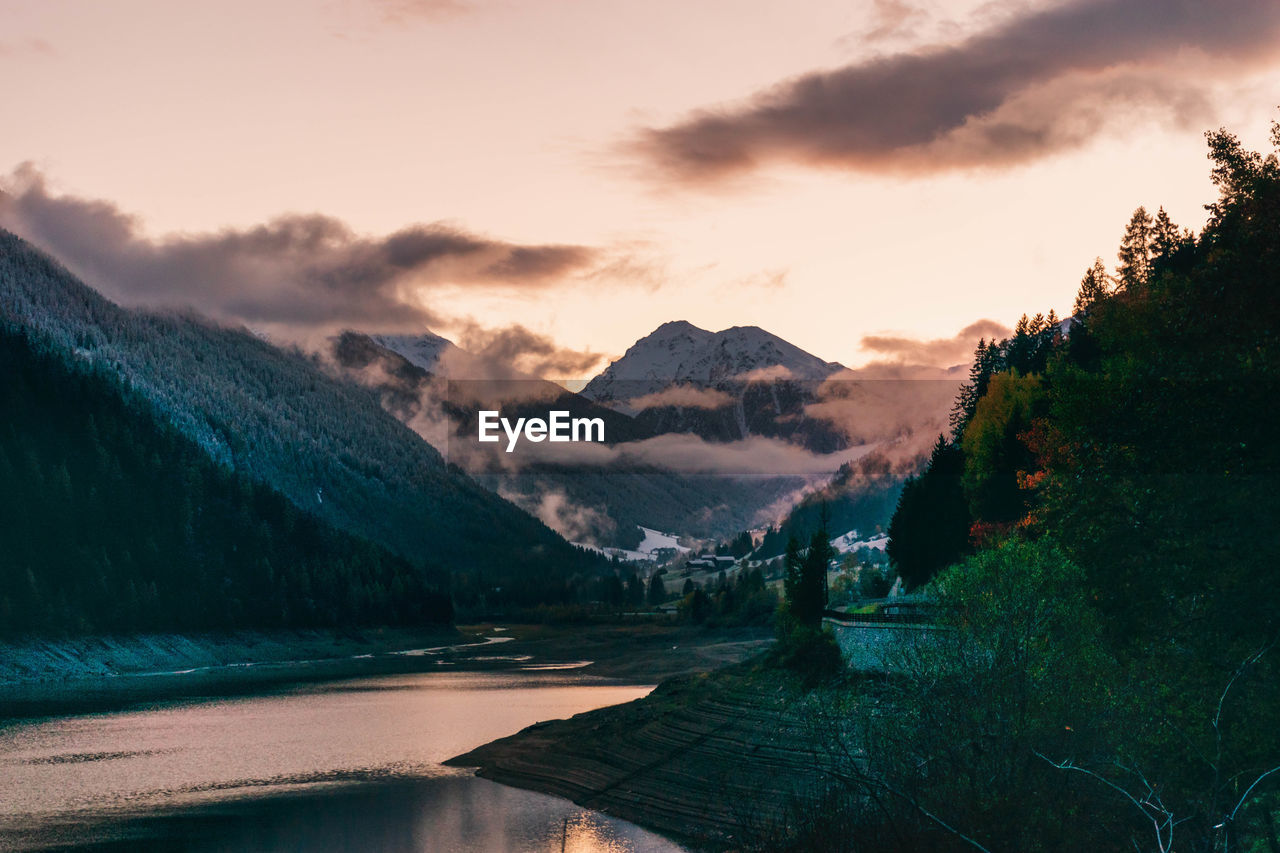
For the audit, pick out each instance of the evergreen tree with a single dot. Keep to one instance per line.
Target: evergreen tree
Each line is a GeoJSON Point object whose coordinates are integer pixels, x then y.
{"type": "Point", "coordinates": [793, 571]}
{"type": "Point", "coordinates": [1166, 239]}
{"type": "Point", "coordinates": [1094, 287]}
{"type": "Point", "coordinates": [635, 590]}
{"type": "Point", "coordinates": [985, 359]}
{"type": "Point", "coordinates": [811, 594]}
{"type": "Point", "coordinates": [1135, 250]}
{"type": "Point", "coordinates": [657, 590]}
{"type": "Point", "coordinates": [930, 528]}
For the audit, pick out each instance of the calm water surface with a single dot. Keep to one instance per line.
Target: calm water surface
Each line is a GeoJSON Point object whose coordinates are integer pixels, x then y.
{"type": "Point", "coordinates": [350, 765]}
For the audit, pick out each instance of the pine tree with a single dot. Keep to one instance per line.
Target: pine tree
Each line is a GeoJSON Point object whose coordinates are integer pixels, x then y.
{"type": "Point", "coordinates": [985, 361]}
{"type": "Point", "coordinates": [1094, 287]}
{"type": "Point", "coordinates": [1165, 236]}
{"type": "Point", "coordinates": [794, 564]}
{"type": "Point", "coordinates": [814, 576]}
{"type": "Point", "coordinates": [635, 590]}
{"type": "Point", "coordinates": [657, 590]}
{"type": "Point", "coordinates": [1135, 250]}
{"type": "Point", "coordinates": [930, 527]}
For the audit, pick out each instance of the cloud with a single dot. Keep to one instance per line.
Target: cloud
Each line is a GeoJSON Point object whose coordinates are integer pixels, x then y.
{"type": "Point", "coordinates": [892, 19]}
{"type": "Point", "coordinates": [518, 348]}
{"type": "Point", "coordinates": [772, 279]}
{"type": "Point", "coordinates": [772, 373]}
{"type": "Point", "coordinates": [683, 396]}
{"type": "Point", "coordinates": [939, 352]}
{"type": "Point", "coordinates": [400, 11]}
{"type": "Point", "coordinates": [683, 453]}
{"type": "Point", "coordinates": [554, 508]}
{"type": "Point", "coordinates": [26, 47]}
{"type": "Point", "coordinates": [754, 456]}
{"type": "Point", "coordinates": [877, 406]}
{"type": "Point", "coordinates": [297, 270]}
{"type": "Point", "coordinates": [905, 395]}
{"type": "Point", "coordinates": [1031, 85]}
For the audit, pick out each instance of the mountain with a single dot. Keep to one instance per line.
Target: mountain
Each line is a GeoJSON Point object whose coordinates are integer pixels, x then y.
{"type": "Point", "coordinates": [671, 388]}
{"type": "Point", "coordinates": [441, 357]}
{"type": "Point", "coordinates": [602, 505]}
{"type": "Point", "coordinates": [113, 521]}
{"type": "Point", "coordinates": [423, 350]}
{"type": "Point", "coordinates": [722, 386]}
{"type": "Point", "coordinates": [680, 353]}
{"type": "Point", "coordinates": [280, 418]}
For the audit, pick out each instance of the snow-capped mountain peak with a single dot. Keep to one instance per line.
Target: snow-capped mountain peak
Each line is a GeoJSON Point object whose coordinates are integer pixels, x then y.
{"type": "Point", "coordinates": [424, 350]}
{"type": "Point", "coordinates": [680, 353]}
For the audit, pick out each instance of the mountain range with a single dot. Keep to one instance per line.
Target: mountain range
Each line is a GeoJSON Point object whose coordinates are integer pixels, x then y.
{"type": "Point", "coordinates": [281, 418]}
{"type": "Point", "coordinates": [595, 504]}
{"type": "Point", "coordinates": [339, 435]}
{"type": "Point", "coordinates": [678, 393]}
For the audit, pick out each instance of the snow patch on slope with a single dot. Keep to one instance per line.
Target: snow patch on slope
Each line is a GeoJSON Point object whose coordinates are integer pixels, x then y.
{"type": "Point", "coordinates": [850, 542]}
{"type": "Point", "coordinates": [652, 542]}
{"type": "Point", "coordinates": [423, 350]}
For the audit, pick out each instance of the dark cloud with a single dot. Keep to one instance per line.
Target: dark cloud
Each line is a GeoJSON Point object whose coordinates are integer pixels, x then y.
{"type": "Point", "coordinates": [526, 351]}
{"type": "Point", "coordinates": [1037, 83]}
{"type": "Point", "coordinates": [299, 270]}
{"type": "Point", "coordinates": [938, 352]}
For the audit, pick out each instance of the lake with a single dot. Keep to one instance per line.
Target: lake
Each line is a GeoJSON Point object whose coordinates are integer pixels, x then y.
{"type": "Point", "coordinates": [349, 765]}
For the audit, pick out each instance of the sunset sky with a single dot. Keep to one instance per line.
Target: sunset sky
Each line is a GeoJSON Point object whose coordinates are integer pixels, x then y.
{"type": "Point", "coordinates": [853, 176]}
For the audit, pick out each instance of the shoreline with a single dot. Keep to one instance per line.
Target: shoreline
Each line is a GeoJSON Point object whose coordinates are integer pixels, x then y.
{"type": "Point", "coordinates": [91, 674]}
{"type": "Point", "coordinates": [43, 661]}
{"type": "Point", "coordinates": [46, 678]}
{"type": "Point", "coordinates": [713, 760]}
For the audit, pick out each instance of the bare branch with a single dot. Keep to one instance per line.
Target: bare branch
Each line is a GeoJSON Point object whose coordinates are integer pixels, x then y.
{"type": "Point", "coordinates": [1152, 810]}
{"type": "Point", "coordinates": [1240, 670]}
{"type": "Point", "coordinates": [1249, 791]}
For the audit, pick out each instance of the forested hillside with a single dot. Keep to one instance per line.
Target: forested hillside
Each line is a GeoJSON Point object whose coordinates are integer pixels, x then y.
{"type": "Point", "coordinates": [111, 521]}
{"type": "Point", "coordinates": [1100, 535]}
{"type": "Point", "coordinates": [278, 418]}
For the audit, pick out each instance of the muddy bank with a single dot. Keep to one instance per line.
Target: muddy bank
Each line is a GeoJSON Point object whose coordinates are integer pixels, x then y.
{"type": "Point", "coordinates": [99, 673]}
{"type": "Point", "coordinates": [52, 677]}
{"type": "Point", "coordinates": [52, 660]}
{"type": "Point", "coordinates": [714, 759]}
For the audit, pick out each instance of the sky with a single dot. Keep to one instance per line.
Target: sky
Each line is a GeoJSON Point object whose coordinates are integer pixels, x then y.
{"type": "Point", "coordinates": [869, 179]}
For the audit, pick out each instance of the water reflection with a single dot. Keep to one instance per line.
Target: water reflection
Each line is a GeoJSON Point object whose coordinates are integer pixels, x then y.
{"type": "Point", "coordinates": [346, 766]}
{"type": "Point", "coordinates": [454, 814]}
